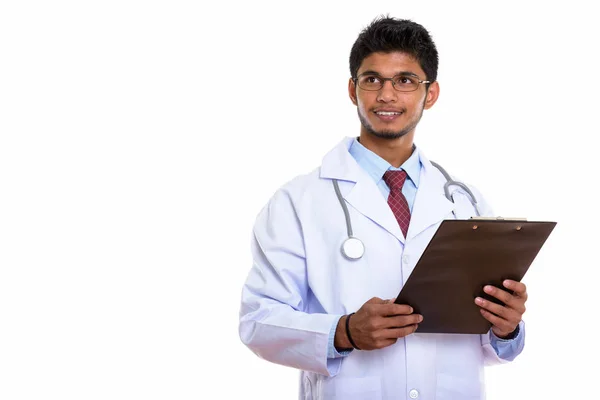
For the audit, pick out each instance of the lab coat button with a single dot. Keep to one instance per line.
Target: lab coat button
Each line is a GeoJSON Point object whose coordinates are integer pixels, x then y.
{"type": "Point", "coordinates": [405, 259]}
{"type": "Point", "coordinates": [413, 394]}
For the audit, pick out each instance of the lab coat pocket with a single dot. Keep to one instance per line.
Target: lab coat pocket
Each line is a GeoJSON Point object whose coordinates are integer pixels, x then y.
{"type": "Point", "coordinates": [362, 388]}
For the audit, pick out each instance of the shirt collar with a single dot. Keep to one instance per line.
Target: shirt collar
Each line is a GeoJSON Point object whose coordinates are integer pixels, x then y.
{"type": "Point", "coordinates": [376, 166]}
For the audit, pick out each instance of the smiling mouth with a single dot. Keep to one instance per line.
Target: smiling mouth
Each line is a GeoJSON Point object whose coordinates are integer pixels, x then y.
{"type": "Point", "coordinates": [388, 115]}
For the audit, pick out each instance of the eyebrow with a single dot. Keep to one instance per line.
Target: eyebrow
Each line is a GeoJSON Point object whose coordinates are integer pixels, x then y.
{"type": "Point", "coordinates": [371, 72]}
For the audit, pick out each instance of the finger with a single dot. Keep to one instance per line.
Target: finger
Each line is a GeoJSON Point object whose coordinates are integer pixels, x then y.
{"type": "Point", "coordinates": [400, 321]}
{"type": "Point", "coordinates": [518, 288]}
{"type": "Point", "coordinates": [505, 297]}
{"type": "Point", "coordinates": [506, 313]}
{"type": "Point", "coordinates": [501, 323]}
{"type": "Point", "coordinates": [386, 310]}
{"type": "Point", "coordinates": [396, 333]}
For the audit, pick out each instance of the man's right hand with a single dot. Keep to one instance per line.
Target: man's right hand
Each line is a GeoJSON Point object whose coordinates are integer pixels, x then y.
{"type": "Point", "coordinates": [377, 324]}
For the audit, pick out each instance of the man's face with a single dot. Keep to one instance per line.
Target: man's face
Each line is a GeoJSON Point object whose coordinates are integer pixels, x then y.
{"type": "Point", "coordinates": [388, 113]}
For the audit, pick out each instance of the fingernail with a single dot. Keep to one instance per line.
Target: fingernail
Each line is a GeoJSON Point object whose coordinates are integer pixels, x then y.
{"type": "Point", "coordinates": [420, 318]}
{"type": "Point", "coordinates": [478, 300]}
{"type": "Point", "coordinates": [488, 289]}
{"type": "Point", "coordinates": [507, 283]}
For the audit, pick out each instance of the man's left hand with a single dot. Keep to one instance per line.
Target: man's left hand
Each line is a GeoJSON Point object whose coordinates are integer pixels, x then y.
{"type": "Point", "coordinates": [504, 318]}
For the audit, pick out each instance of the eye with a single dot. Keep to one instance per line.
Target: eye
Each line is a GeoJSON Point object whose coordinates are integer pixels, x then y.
{"type": "Point", "coordinates": [404, 80]}
{"type": "Point", "coordinates": [370, 79]}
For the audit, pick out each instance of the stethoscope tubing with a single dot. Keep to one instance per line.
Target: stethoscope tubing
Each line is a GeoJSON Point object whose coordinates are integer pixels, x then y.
{"type": "Point", "coordinates": [357, 245]}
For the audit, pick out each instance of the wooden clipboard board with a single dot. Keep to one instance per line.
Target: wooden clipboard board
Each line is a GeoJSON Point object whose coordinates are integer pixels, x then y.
{"type": "Point", "coordinates": [462, 257]}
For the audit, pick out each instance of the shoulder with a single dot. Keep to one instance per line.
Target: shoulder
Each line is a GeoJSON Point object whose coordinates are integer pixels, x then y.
{"type": "Point", "coordinates": [462, 191]}
{"type": "Point", "coordinates": [300, 186]}
{"type": "Point", "coordinates": [469, 193]}
{"type": "Point", "coordinates": [293, 193]}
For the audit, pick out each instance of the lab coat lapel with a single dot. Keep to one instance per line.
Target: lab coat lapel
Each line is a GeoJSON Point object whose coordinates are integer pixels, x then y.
{"type": "Point", "coordinates": [358, 188]}
{"type": "Point", "coordinates": [366, 198]}
{"type": "Point", "coordinates": [431, 205]}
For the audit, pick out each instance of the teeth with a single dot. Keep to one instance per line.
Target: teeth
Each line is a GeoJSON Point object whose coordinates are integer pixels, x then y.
{"type": "Point", "coordinates": [387, 113]}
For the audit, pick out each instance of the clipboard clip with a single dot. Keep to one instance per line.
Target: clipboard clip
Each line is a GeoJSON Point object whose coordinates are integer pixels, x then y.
{"type": "Point", "coordinates": [498, 219]}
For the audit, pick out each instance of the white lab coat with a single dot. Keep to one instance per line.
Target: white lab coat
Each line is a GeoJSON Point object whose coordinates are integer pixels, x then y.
{"type": "Point", "coordinates": [300, 282]}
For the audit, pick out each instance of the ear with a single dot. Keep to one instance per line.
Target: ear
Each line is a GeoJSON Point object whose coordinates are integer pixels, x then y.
{"type": "Point", "coordinates": [432, 95]}
{"type": "Point", "coordinates": [352, 91]}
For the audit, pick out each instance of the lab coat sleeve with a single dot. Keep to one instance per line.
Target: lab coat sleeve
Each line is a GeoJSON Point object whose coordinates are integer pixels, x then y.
{"type": "Point", "coordinates": [274, 321]}
{"type": "Point", "coordinates": [496, 350]}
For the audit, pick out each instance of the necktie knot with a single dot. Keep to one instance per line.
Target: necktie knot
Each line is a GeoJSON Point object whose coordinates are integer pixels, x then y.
{"type": "Point", "coordinates": [395, 179]}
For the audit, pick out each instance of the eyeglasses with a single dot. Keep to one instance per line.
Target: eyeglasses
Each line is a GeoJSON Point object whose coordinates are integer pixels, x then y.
{"type": "Point", "coordinates": [402, 83]}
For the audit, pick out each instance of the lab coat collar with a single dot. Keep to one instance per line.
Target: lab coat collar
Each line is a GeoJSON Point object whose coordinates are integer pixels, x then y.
{"type": "Point", "coordinates": [339, 164]}
{"type": "Point", "coordinates": [361, 192]}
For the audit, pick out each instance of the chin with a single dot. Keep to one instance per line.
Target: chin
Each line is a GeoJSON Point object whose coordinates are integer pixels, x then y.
{"type": "Point", "coordinates": [389, 135]}
{"type": "Point", "coordinates": [382, 130]}
{"type": "Point", "coordinates": [386, 133]}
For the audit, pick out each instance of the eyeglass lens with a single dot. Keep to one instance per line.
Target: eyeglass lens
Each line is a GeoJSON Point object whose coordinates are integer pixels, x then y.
{"type": "Point", "coordinates": [403, 83]}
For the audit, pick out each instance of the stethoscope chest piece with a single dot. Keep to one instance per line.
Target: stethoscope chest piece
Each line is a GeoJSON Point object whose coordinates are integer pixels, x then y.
{"type": "Point", "coordinates": [353, 248]}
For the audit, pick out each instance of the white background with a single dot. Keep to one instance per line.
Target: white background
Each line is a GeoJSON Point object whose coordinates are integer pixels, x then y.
{"type": "Point", "coordinates": [139, 140]}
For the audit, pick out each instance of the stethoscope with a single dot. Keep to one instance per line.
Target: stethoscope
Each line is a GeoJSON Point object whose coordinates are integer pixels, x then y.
{"type": "Point", "coordinates": [353, 248]}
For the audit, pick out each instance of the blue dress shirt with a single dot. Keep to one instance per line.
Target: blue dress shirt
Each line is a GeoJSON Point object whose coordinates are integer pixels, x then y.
{"type": "Point", "coordinates": [376, 166]}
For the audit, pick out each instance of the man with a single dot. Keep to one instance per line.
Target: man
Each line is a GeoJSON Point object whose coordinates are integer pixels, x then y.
{"type": "Point", "coordinates": [308, 305]}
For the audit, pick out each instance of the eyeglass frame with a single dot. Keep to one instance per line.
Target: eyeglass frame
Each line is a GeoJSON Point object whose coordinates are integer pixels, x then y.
{"type": "Point", "coordinates": [419, 81]}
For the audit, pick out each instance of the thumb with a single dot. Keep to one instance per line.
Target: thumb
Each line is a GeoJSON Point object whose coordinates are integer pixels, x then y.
{"type": "Point", "coordinates": [390, 301]}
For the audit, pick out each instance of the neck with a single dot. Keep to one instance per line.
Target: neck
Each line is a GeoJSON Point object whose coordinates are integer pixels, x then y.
{"type": "Point", "coordinates": [394, 151]}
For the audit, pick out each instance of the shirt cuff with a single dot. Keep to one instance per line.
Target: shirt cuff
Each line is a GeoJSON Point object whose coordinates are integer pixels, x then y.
{"type": "Point", "coordinates": [331, 350]}
{"type": "Point", "coordinates": [508, 349]}
{"type": "Point", "coordinates": [513, 335]}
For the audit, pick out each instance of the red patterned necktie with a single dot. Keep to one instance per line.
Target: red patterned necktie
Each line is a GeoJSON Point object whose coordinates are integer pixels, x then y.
{"type": "Point", "coordinates": [396, 200]}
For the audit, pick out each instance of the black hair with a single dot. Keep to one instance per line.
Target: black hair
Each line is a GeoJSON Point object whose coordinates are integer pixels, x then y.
{"type": "Point", "coordinates": [386, 34]}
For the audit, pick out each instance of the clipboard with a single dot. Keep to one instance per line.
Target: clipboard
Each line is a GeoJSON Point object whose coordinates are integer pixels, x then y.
{"type": "Point", "coordinates": [462, 257]}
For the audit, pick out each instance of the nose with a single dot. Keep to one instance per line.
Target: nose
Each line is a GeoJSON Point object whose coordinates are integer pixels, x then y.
{"type": "Point", "coordinates": [387, 93]}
